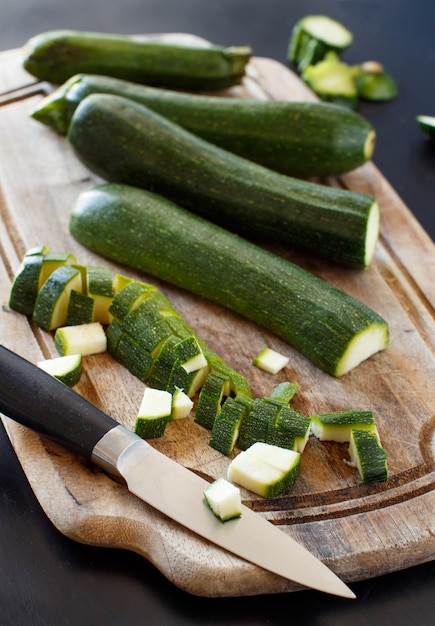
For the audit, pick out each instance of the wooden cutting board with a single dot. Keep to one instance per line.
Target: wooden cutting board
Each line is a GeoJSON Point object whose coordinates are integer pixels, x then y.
{"type": "Point", "coordinates": [359, 531]}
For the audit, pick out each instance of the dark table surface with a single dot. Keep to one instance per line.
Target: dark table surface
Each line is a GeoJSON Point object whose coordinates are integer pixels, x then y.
{"type": "Point", "coordinates": [46, 579]}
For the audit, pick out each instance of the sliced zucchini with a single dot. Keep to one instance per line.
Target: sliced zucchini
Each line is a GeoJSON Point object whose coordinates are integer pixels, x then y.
{"type": "Point", "coordinates": [265, 469]}
{"type": "Point", "coordinates": [332, 80]}
{"type": "Point", "coordinates": [154, 413]}
{"type": "Point", "coordinates": [313, 37]}
{"type": "Point", "coordinates": [67, 369]}
{"type": "Point", "coordinates": [224, 499]}
{"type": "Point", "coordinates": [127, 351]}
{"type": "Point", "coordinates": [283, 392]}
{"type": "Point", "coordinates": [127, 297]}
{"type": "Point", "coordinates": [100, 287]}
{"type": "Point", "coordinates": [82, 339]}
{"type": "Point", "coordinates": [181, 405]}
{"type": "Point", "coordinates": [25, 286]}
{"type": "Point", "coordinates": [51, 261]}
{"type": "Point", "coordinates": [374, 83]}
{"type": "Point", "coordinates": [257, 424]}
{"type": "Point", "coordinates": [226, 426]}
{"type": "Point", "coordinates": [427, 125]}
{"type": "Point", "coordinates": [368, 456]}
{"type": "Point", "coordinates": [80, 309]}
{"type": "Point", "coordinates": [210, 398]}
{"type": "Point", "coordinates": [51, 304]}
{"type": "Point", "coordinates": [338, 426]}
{"type": "Point", "coordinates": [293, 423]}
{"type": "Point", "coordinates": [270, 361]}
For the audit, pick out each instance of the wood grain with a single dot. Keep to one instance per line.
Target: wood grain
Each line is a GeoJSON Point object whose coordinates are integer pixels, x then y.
{"type": "Point", "coordinates": [359, 531]}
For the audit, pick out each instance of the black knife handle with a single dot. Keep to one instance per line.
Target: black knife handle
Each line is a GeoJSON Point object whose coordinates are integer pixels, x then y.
{"type": "Point", "coordinates": [35, 399]}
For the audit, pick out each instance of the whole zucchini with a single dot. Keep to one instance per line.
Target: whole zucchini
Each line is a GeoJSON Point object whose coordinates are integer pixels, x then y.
{"type": "Point", "coordinates": [57, 55]}
{"type": "Point", "coordinates": [150, 233]}
{"type": "Point", "coordinates": [296, 138]}
{"type": "Point", "coordinates": [123, 141]}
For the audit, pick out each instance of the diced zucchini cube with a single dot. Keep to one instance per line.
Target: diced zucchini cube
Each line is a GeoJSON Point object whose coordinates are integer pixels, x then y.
{"type": "Point", "coordinates": [270, 361]}
{"type": "Point", "coordinates": [181, 405]}
{"type": "Point", "coordinates": [67, 369]}
{"type": "Point", "coordinates": [82, 339]}
{"type": "Point", "coordinates": [224, 499]}
{"type": "Point", "coordinates": [154, 413]}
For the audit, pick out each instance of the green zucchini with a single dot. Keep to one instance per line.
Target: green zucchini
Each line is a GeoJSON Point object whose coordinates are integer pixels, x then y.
{"type": "Point", "coordinates": [426, 123]}
{"type": "Point", "coordinates": [135, 227]}
{"type": "Point", "coordinates": [374, 83]}
{"type": "Point", "coordinates": [57, 55]}
{"type": "Point", "coordinates": [368, 455]}
{"type": "Point", "coordinates": [295, 138]}
{"type": "Point", "coordinates": [332, 80]}
{"type": "Point", "coordinates": [224, 499]}
{"type": "Point", "coordinates": [313, 36]}
{"type": "Point", "coordinates": [123, 141]}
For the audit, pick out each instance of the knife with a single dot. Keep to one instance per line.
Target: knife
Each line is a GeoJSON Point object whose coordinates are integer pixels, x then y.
{"type": "Point", "coordinates": [39, 401]}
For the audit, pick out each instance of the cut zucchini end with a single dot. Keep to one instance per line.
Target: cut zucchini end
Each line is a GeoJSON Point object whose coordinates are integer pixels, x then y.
{"type": "Point", "coordinates": [329, 31]}
{"type": "Point", "coordinates": [67, 369]}
{"type": "Point", "coordinates": [224, 499]}
{"type": "Point", "coordinates": [372, 233]}
{"type": "Point", "coordinates": [370, 143]}
{"type": "Point", "coordinates": [270, 361]}
{"type": "Point", "coordinates": [364, 345]}
{"type": "Point", "coordinates": [426, 124]}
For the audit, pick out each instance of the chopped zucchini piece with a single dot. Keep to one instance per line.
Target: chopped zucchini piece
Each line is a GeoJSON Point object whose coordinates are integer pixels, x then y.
{"type": "Point", "coordinates": [127, 351]}
{"type": "Point", "coordinates": [82, 339]}
{"type": "Point", "coordinates": [51, 261]}
{"type": "Point", "coordinates": [257, 424]}
{"type": "Point", "coordinates": [80, 309]}
{"type": "Point", "coordinates": [210, 398]}
{"type": "Point", "coordinates": [265, 469]}
{"type": "Point", "coordinates": [338, 426]}
{"type": "Point", "coordinates": [181, 405]}
{"type": "Point", "coordinates": [292, 425]}
{"type": "Point", "coordinates": [283, 392]}
{"type": "Point", "coordinates": [226, 426]}
{"type": "Point", "coordinates": [374, 83]}
{"type": "Point", "coordinates": [25, 286]}
{"type": "Point", "coordinates": [368, 456]}
{"type": "Point", "coordinates": [270, 361]}
{"type": "Point", "coordinates": [224, 499]}
{"type": "Point", "coordinates": [67, 369]}
{"type": "Point", "coordinates": [51, 304]}
{"type": "Point", "coordinates": [100, 287]}
{"type": "Point", "coordinates": [332, 80]}
{"type": "Point", "coordinates": [154, 413]}
{"type": "Point", "coordinates": [315, 35]}
{"type": "Point", "coordinates": [427, 125]}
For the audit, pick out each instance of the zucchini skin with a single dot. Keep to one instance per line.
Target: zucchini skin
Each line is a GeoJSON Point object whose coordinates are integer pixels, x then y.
{"type": "Point", "coordinates": [150, 233]}
{"type": "Point", "coordinates": [123, 141]}
{"type": "Point", "coordinates": [299, 139]}
{"type": "Point", "coordinates": [57, 55]}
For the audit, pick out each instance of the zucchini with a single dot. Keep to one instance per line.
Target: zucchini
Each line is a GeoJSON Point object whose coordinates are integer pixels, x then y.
{"type": "Point", "coordinates": [426, 124]}
{"type": "Point", "coordinates": [368, 456]}
{"type": "Point", "coordinates": [57, 55]}
{"type": "Point", "coordinates": [154, 413]}
{"type": "Point", "coordinates": [295, 138]}
{"type": "Point", "coordinates": [270, 361]}
{"type": "Point", "coordinates": [265, 469]}
{"type": "Point", "coordinates": [181, 405]}
{"type": "Point", "coordinates": [80, 309]}
{"type": "Point", "coordinates": [67, 369]}
{"type": "Point", "coordinates": [123, 141]}
{"type": "Point", "coordinates": [226, 426]}
{"type": "Point", "coordinates": [25, 286]}
{"type": "Point", "coordinates": [338, 426]}
{"type": "Point", "coordinates": [332, 80]}
{"type": "Point", "coordinates": [374, 83]}
{"type": "Point", "coordinates": [284, 392]}
{"type": "Point", "coordinates": [82, 339]}
{"type": "Point", "coordinates": [313, 36]}
{"type": "Point", "coordinates": [137, 228]}
{"type": "Point", "coordinates": [51, 304]}
{"type": "Point", "coordinates": [224, 499]}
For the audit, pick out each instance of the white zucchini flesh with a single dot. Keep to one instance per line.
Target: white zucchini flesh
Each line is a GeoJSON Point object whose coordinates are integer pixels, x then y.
{"type": "Point", "coordinates": [224, 499]}
{"type": "Point", "coordinates": [81, 339]}
{"type": "Point", "coordinates": [325, 29]}
{"type": "Point", "coordinates": [270, 361]}
{"type": "Point", "coordinates": [365, 344]}
{"type": "Point", "coordinates": [155, 403]}
{"type": "Point", "coordinates": [65, 368]}
{"type": "Point", "coordinates": [181, 405]}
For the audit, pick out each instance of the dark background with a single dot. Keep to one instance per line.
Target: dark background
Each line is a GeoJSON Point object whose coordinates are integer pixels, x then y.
{"type": "Point", "coordinates": [46, 579]}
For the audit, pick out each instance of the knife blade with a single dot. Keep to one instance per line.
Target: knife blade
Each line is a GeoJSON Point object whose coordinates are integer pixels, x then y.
{"type": "Point", "coordinates": [39, 401]}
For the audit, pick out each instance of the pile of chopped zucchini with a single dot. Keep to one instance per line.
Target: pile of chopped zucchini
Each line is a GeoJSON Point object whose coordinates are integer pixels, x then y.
{"type": "Point", "coordinates": [316, 45]}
